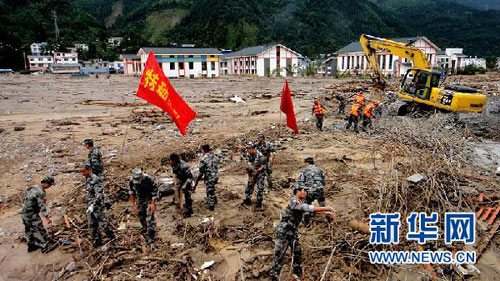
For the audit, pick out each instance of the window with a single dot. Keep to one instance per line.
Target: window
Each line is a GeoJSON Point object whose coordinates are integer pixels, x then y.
{"type": "Point", "coordinates": [203, 65]}
{"type": "Point", "coordinates": [212, 65]}
{"type": "Point", "coordinates": [191, 76]}
{"type": "Point", "coordinates": [383, 61]}
{"type": "Point", "coordinates": [159, 64]}
{"type": "Point", "coordinates": [191, 65]}
{"type": "Point", "coordinates": [342, 64]}
{"type": "Point", "coordinates": [181, 65]}
{"type": "Point", "coordinates": [348, 62]}
{"type": "Point", "coordinates": [172, 66]}
{"type": "Point", "coordinates": [65, 59]}
{"type": "Point", "coordinates": [390, 61]}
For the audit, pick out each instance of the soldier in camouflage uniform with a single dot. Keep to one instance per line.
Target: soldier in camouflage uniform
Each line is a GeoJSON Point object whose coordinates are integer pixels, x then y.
{"type": "Point", "coordinates": [209, 170]}
{"type": "Point", "coordinates": [184, 181]}
{"type": "Point", "coordinates": [96, 211]}
{"type": "Point", "coordinates": [34, 207]}
{"type": "Point", "coordinates": [287, 234]}
{"type": "Point", "coordinates": [314, 179]}
{"type": "Point", "coordinates": [144, 189]}
{"type": "Point", "coordinates": [94, 158]}
{"type": "Point", "coordinates": [256, 173]}
{"type": "Point", "coordinates": [268, 150]}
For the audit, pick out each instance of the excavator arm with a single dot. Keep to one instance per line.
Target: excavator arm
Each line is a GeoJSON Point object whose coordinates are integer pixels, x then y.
{"type": "Point", "coordinates": [372, 44]}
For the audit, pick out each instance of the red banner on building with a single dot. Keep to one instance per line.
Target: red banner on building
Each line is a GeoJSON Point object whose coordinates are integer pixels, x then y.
{"type": "Point", "coordinates": [287, 108]}
{"type": "Point", "coordinates": [155, 88]}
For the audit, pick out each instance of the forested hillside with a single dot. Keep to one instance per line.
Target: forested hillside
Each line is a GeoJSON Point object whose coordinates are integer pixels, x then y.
{"type": "Point", "coordinates": [309, 26]}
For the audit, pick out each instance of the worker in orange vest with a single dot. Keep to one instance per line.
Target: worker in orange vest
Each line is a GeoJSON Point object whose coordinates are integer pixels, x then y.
{"type": "Point", "coordinates": [360, 99]}
{"type": "Point", "coordinates": [353, 116]}
{"type": "Point", "coordinates": [319, 112]}
{"type": "Point", "coordinates": [368, 113]}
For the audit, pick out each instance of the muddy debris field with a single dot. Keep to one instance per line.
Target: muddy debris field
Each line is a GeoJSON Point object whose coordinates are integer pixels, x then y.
{"type": "Point", "coordinates": [44, 119]}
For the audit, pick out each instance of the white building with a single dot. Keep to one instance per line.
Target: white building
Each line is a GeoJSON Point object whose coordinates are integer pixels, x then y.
{"type": "Point", "coordinates": [184, 62]}
{"type": "Point", "coordinates": [478, 62]}
{"type": "Point", "coordinates": [352, 59]}
{"type": "Point", "coordinates": [65, 63]}
{"type": "Point", "coordinates": [39, 48]}
{"type": "Point", "coordinates": [40, 62]}
{"type": "Point", "coordinates": [264, 60]}
{"type": "Point", "coordinates": [65, 58]}
{"type": "Point", "coordinates": [131, 64]}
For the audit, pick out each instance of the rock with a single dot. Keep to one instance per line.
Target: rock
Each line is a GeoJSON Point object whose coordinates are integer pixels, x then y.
{"type": "Point", "coordinates": [498, 171]}
{"type": "Point", "coordinates": [2, 130]}
{"type": "Point", "coordinates": [160, 127]}
{"type": "Point", "coordinates": [416, 178]}
{"type": "Point", "coordinates": [71, 266]}
{"type": "Point", "coordinates": [19, 128]}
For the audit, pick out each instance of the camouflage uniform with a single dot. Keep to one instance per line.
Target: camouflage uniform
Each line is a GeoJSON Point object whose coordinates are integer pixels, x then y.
{"type": "Point", "coordinates": [33, 207]}
{"type": "Point", "coordinates": [266, 148]}
{"type": "Point", "coordinates": [95, 160]}
{"type": "Point", "coordinates": [255, 161]}
{"type": "Point", "coordinates": [313, 178]}
{"type": "Point", "coordinates": [96, 211]}
{"type": "Point", "coordinates": [287, 235]}
{"type": "Point", "coordinates": [145, 192]}
{"type": "Point", "coordinates": [185, 178]}
{"type": "Point", "coordinates": [209, 169]}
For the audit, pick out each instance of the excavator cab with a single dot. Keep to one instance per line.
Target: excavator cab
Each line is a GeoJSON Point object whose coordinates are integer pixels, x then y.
{"type": "Point", "coordinates": [419, 83]}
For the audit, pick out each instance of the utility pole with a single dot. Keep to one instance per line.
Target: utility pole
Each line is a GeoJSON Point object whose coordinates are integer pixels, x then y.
{"type": "Point", "coordinates": [24, 58]}
{"type": "Point", "coordinates": [56, 27]}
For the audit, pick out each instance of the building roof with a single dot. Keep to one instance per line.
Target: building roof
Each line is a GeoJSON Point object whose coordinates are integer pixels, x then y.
{"type": "Point", "coordinates": [180, 51]}
{"type": "Point", "coordinates": [356, 46]}
{"type": "Point", "coordinates": [130, 56]}
{"type": "Point", "coordinates": [255, 50]}
{"type": "Point", "coordinates": [39, 56]}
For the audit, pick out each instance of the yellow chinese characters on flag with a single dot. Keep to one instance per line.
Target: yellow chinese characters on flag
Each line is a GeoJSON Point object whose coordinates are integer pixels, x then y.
{"type": "Point", "coordinates": [155, 88]}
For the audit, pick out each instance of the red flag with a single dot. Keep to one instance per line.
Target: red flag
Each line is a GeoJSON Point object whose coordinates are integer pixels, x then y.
{"type": "Point", "coordinates": [155, 88]}
{"type": "Point", "coordinates": [287, 108]}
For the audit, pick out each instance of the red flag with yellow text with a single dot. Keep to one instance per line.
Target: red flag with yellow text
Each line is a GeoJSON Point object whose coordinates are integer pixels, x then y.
{"type": "Point", "coordinates": [155, 88]}
{"type": "Point", "coordinates": [287, 108]}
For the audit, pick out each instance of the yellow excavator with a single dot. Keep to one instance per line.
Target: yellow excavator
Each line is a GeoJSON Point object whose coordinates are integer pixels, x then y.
{"type": "Point", "coordinates": [420, 86]}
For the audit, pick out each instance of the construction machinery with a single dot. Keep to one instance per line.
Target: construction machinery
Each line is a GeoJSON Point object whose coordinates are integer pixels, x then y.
{"type": "Point", "coordinates": [420, 87]}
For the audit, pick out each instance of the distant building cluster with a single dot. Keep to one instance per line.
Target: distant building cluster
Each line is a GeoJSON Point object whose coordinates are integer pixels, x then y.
{"type": "Point", "coordinates": [188, 61]}
{"type": "Point", "coordinates": [43, 59]}
{"type": "Point", "coordinates": [351, 59]}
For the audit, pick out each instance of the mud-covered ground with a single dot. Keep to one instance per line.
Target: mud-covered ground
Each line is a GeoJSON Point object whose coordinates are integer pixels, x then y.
{"type": "Point", "coordinates": [43, 120]}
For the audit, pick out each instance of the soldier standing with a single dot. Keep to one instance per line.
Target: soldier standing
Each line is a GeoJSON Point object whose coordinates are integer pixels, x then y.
{"type": "Point", "coordinates": [34, 207]}
{"type": "Point", "coordinates": [94, 157]}
{"type": "Point", "coordinates": [143, 189]}
{"type": "Point", "coordinates": [287, 231]}
{"type": "Point", "coordinates": [96, 210]}
{"type": "Point", "coordinates": [368, 114]}
{"type": "Point", "coordinates": [313, 178]}
{"type": "Point", "coordinates": [256, 173]}
{"type": "Point", "coordinates": [353, 117]}
{"type": "Point", "coordinates": [183, 181]}
{"type": "Point", "coordinates": [319, 111]}
{"type": "Point", "coordinates": [268, 150]}
{"type": "Point", "coordinates": [341, 103]}
{"type": "Point", "coordinates": [209, 171]}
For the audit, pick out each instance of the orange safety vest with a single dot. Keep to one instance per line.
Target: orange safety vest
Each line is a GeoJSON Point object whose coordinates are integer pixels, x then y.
{"type": "Point", "coordinates": [355, 109]}
{"type": "Point", "coordinates": [360, 99]}
{"type": "Point", "coordinates": [318, 109]}
{"type": "Point", "coordinates": [368, 110]}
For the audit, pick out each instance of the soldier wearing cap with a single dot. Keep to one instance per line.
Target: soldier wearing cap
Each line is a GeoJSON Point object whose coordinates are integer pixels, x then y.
{"type": "Point", "coordinates": [143, 189]}
{"type": "Point", "coordinates": [183, 181]}
{"type": "Point", "coordinates": [314, 179]}
{"type": "Point", "coordinates": [96, 210]}
{"type": "Point", "coordinates": [34, 207]}
{"type": "Point", "coordinates": [287, 234]}
{"type": "Point", "coordinates": [256, 170]}
{"type": "Point", "coordinates": [209, 171]}
{"type": "Point", "coordinates": [268, 150]}
{"type": "Point", "coordinates": [94, 157]}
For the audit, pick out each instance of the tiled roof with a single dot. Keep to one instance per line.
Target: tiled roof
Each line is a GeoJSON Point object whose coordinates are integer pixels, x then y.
{"type": "Point", "coordinates": [181, 51]}
{"type": "Point", "coordinates": [356, 46]}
